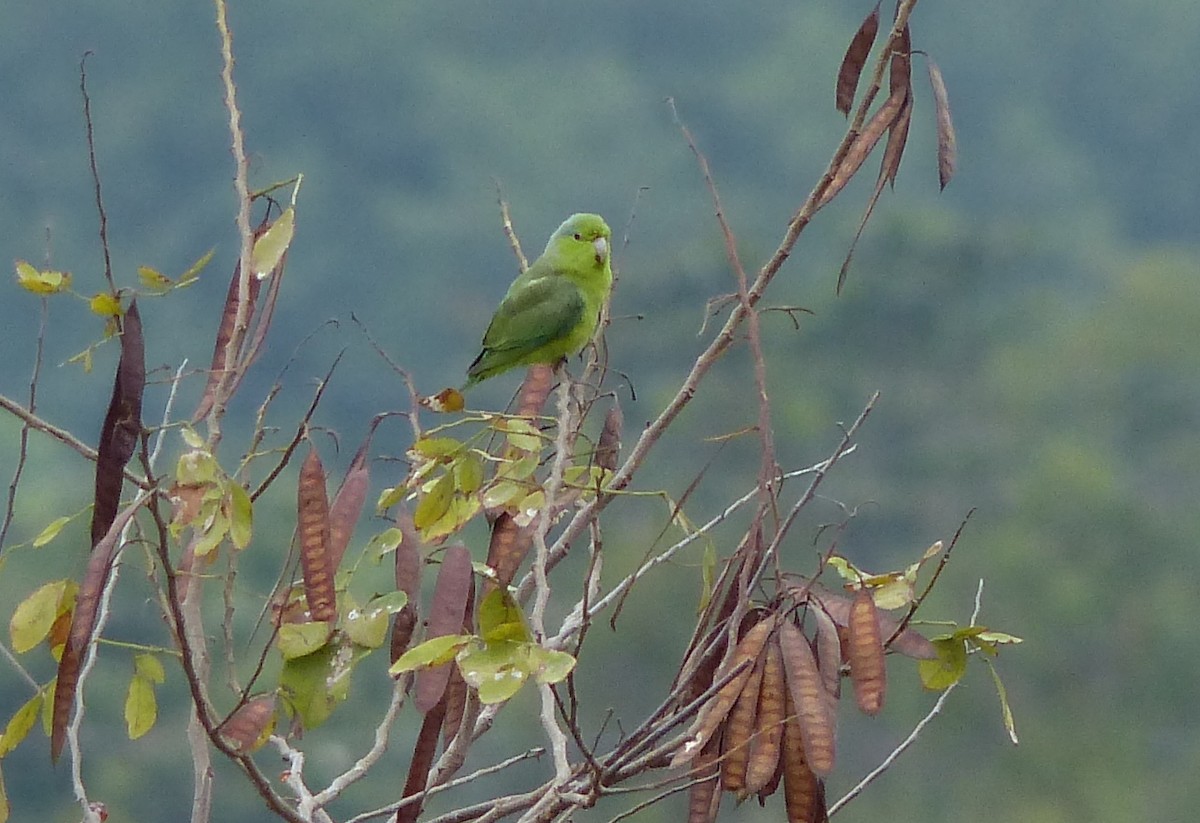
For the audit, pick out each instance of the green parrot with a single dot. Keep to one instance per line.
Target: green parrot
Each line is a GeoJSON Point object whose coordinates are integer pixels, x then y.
{"type": "Point", "coordinates": [551, 310]}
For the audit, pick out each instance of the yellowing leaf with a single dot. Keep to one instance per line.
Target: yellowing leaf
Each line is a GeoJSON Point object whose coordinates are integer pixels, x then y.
{"type": "Point", "coordinates": [150, 667]}
{"type": "Point", "coordinates": [35, 615]}
{"type": "Point", "coordinates": [270, 247]}
{"type": "Point", "coordinates": [20, 724]}
{"type": "Point", "coordinates": [194, 270]}
{"type": "Point", "coordinates": [41, 282]}
{"type": "Point", "coordinates": [50, 532]}
{"type": "Point", "coordinates": [241, 516]}
{"type": "Point", "coordinates": [141, 708]}
{"type": "Point", "coordinates": [154, 280]}
{"type": "Point", "coordinates": [300, 639]}
{"type": "Point", "coordinates": [949, 666]}
{"type": "Point", "coordinates": [105, 305]}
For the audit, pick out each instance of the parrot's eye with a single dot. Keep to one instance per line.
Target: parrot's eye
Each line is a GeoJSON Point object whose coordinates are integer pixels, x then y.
{"type": "Point", "coordinates": [578, 236]}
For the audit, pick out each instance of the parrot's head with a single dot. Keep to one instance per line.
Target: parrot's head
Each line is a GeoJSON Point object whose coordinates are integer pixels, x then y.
{"type": "Point", "coordinates": [580, 236]}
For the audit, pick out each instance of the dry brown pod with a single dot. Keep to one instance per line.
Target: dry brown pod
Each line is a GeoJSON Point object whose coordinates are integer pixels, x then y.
{"type": "Point", "coordinates": [712, 715]}
{"type": "Point", "coordinates": [767, 741]}
{"type": "Point", "coordinates": [868, 669]}
{"type": "Point", "coordinates": [808, 697]}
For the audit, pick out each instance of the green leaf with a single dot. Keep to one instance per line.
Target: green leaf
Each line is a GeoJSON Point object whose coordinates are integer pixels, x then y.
{"type": "Point", "coordinates": [141, 708]}
{"type": "Point", "coordinates": [708, 571]}
{"type": "Point", "coordinates": [529, 508]}
{"type": "Point", "coordinates": [241, 516]}
{"type": "Point", "coordinates": [368, 626]}
{"type": "Point", "coordinates": [435, 503]}
{"type": "Point", "coordinates": [521, 434]}
{"type": "Point", "coordinates": [434, 448]}
{"type": "Point", "coordinates": [50, 532]}
{"type": "Point", "coordinates": [457, 514]}
{"type": "Point", "coordinates": [521, 469]}
{"type": "Point", "coordinates": [311, 686]}
{"type": "Point", "coordinates": [20, 724]}
{"type": "Point", "coordinates": [1010, 725]}
{"type": "Point", "coordinates": [270, 247]}
{"type": "Point", "coordinates": [150, 667]}
{"type": "Point", "coordinates": [495, 670]}
{"type": "Point", "coordinates": [384, 543]}
{"type": "Point", "coordinates": [947, 668]}
{"type": "Point", "coordinates": [390, 497]}
{"type": "Point", "coordinates": [431, 653]}
{"type": "Point", "coordinates": [4, 807]}
{"type": "Point", "coordinates": [213, 537]}
{"type": "Point", "coordinates": [501, 492]}
{"type": "Point", "coordinates": [35, 615]}
{"type": "Point", "coordinates": [391, 602]}
{"type": "Point", "coordinates": [191, 437]}
{"type": "Point", "coordinates": [48, 707]}
{"type": "Point", "coordinates": [550, 666]}
{"type": "Point", "coordinates": [300, 639]}
{"type": "Point", "coordinates": [500, 618]}
{"type": "Point", "coordinates": [1003, 638]}
{"type": "Point", "coordinates": [468, 473]}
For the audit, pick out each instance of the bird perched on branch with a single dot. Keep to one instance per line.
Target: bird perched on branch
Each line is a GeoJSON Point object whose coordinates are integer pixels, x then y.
{"type": "Point", "coordinates": [552, 309]}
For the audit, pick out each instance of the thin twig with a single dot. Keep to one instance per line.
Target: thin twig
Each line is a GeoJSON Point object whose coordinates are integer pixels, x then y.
{"type": "Point", "coordinates": [23, 447]}
{"type": "Point", "coordinates": [242, 191]}
{"type": "Point", "coordinates": [91, 144]}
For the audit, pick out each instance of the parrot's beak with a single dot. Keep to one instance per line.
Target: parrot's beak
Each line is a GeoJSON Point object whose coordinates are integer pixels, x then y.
{"type": "Point", "coordinates": [600, 244]}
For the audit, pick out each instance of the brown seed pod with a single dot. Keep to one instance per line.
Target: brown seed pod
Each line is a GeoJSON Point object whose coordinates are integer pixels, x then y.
{"type": "Point", "coordinates": [808, 698]}
{"type": "Point", "coordinates": [803, 793]}
{"type": "Point", "coordinates": [868, 671]}
{"type": "Point", "coordinates": [767, 741]}
{"type": "Point", "coordinates": [712, 715]}
{"type": "Point", "coordinates": [703, 798]}
{"type": "Point", "coordinates": [739, 730]}
{"type": "Point", "coordinates": [313, 506]}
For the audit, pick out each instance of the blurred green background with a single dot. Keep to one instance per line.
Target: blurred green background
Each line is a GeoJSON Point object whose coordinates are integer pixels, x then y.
{"type": "Point", "coordinates": [1032, 331]}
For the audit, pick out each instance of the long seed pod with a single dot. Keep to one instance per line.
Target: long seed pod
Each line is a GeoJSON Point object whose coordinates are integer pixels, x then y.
{"type": "Point", "coordinates": [408, 580]}
{"type": "Point", "coordinates": [808, 698]}
{"type": "Point", "coordinates": [313, 505]}
{"type": "Point", "coordinates": [422, 759]}
{"type": "Point", "coordinates": [803, 794]}
{"type": "Point", "coordinates": [868, 671]}
{"type": "Point", "coordinates": [739, 729]}
{"type": "Point", "coordinates": [714, 712]}
{"type": "Point", "coordinates": [122, 424]}
{"type": "Point", "coordinates": [767, 742]}
{"type": "Point", "coordinates": [348, 504]}
{"type": "Point", "coordinates": [854, 60]}
{"type": "Point", "coordinates": [703, 798]}
{"type": "Point", "coordinates": [447, 611]}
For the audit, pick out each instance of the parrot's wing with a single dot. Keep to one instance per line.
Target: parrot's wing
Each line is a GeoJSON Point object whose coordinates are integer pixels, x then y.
{"type": "Point", "coordinates": [535, 313]}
